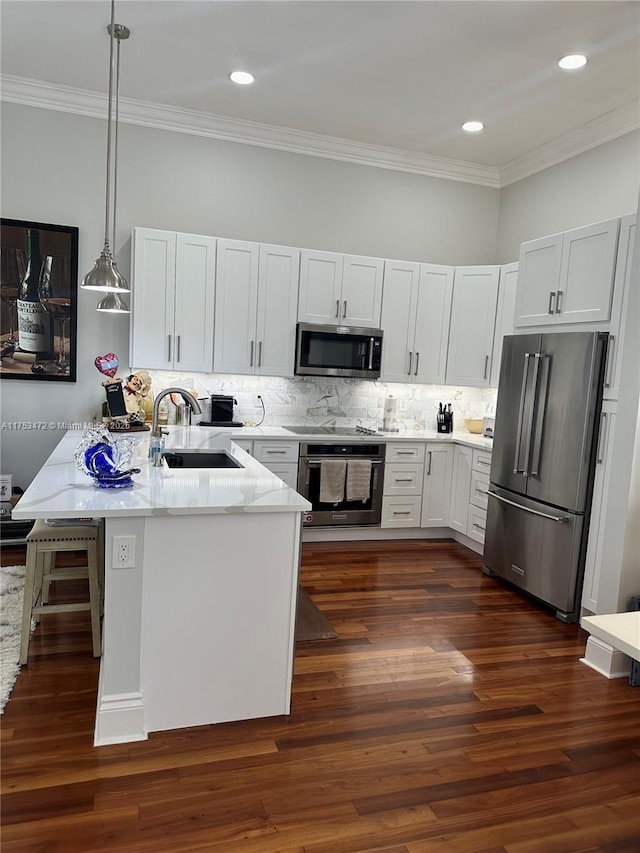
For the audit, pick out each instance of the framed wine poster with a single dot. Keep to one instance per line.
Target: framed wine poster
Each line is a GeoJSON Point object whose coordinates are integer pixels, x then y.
{"type": "Point", "coordinates": [39, 291]}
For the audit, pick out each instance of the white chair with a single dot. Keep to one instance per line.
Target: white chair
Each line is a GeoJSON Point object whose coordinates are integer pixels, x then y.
{"type": "Point", "coordinates": [43, 543]}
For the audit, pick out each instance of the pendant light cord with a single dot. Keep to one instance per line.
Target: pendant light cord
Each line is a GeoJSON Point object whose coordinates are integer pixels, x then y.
{"type": "Point", "coordinates": [109, 117]}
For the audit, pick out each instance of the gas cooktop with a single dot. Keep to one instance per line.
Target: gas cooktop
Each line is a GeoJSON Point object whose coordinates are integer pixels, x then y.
{"type": "Point", "coordinates": [331, 430]}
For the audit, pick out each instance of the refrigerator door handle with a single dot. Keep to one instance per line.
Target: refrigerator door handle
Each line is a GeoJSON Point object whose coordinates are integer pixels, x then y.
{"type": "Point", "coordinates": [537, 441]}
{"type": "Point", "coordinates": [559, 519]}
{"type": "Point", "coordinates": [532, 411]}
{"type": "Point", "coordinates": [523, 395]}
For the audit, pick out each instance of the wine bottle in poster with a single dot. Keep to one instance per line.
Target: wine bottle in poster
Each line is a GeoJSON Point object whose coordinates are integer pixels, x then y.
{"type": "Point", "coordinates": [34, 323]}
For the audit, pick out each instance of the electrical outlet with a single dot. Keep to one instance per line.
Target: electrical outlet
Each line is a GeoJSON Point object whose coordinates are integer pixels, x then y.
{"type": "Point", "coordinates": [124, 552]}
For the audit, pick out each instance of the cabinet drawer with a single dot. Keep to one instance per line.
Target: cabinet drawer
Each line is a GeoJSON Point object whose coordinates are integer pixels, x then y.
{"type": "Point", "coordinates": [275, 451]}
{"type": "Point", "coordinates": [405, 451]}
{"type": "Point", "coordinates": [482, 461]}
{"type": "Point", "coordinates": [401, 512]}
{"type": "Point", "coordinates": [403, 479]}
{"type": "Point", "coordinates": [287, 471]}
{"type": "Point", "coordinates": [477, 523]}
{"type": "Point", "coordinates": [479, 486]}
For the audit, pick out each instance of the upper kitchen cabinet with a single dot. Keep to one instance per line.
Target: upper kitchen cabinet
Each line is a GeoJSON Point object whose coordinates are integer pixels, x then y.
{"type": "Point", "coordinates": [504, 317]}
{"type": "Point", "coordinates": [340, 290]}
{"type": "Point", "coordinates": [172, 300]}
{"type": "Point", "coordinates": [568, 278]}
{"type": "Point", "coordinates": [471, 331]}
{"type": "Point", "coordinates": [256, 305]}
{"type": "Point", "coordinates": [415, 320]}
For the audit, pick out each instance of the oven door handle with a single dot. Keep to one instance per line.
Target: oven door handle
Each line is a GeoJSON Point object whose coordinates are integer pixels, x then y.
{"type": "Point", "coordinates": [311, 461]}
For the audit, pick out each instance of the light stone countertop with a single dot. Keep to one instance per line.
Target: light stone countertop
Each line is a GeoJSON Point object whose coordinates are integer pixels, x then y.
{"type": "Point", "coordinates": [280, 432]}
{"type": "Point", "coordinates": [60, 490]}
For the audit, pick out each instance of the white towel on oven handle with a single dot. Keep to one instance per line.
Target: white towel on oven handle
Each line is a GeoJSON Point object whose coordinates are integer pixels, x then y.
{"type": "Point", "coordinates": [332, 478]}
{"type": "Point", "coordinates": [358, 479]}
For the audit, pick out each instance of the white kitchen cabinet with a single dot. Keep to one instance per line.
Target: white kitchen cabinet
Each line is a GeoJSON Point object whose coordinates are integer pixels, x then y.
{"type": "Point", "coordinates": [340, 290]}
{"type": "Point", "coordinates": [436, 494]}
{"type": "Point", "coordinates": [460, 485]}
{"type": "Point", "coordinates": [471, 331]}
{"type": "Point", "coordinates": [401, 511]}
{"type": "Point", "coordinates": [568, 278]}
{"type": "Point", "coordinates": [173, 278]}
{"type": "Point", "coordinates": [256, 303]}
{"type": "Point", "coordinates": [280, 457]}
{"type": "Point", "coordinates": [596, 556]}
{"type": "Point", "coordinates": [405, 451]}
{"type": "Point", "coordinates": [619, 308]}
{"type": "Point", "coordinates": [504, 317]}
{"type": "Point", "coordinates": [403, 478]}
{"type": "Point", "coordinates": [416, 308]}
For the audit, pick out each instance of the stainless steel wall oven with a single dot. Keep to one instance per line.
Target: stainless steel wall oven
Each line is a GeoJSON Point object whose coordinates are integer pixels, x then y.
{"type": "Point", "coordinates": [342, 512]}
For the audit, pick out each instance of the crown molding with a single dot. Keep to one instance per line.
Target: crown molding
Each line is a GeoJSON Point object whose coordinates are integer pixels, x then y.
{"type": "Point", "coordinates": [603, 129]}
{"type": "Point", "coordinates": [36, 93]}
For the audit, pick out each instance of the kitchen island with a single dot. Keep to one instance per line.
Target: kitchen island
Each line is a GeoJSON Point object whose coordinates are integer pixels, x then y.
{"type": "Point", "coordinates": [199, 619]}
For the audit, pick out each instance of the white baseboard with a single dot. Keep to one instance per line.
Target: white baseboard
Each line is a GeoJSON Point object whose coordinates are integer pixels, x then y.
{"type": "Point", "coordinates": [360, 534]}
{"type": "Point", "coordinates": [610, 662]}
{"type": "Point", "coordinates": [471, 544]}
{"type": "Point", "coordinates": [119, 719]}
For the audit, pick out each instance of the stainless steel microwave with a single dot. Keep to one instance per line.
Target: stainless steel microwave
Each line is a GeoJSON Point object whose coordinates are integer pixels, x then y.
{"type": "Point", "coordinates": [338, 351]}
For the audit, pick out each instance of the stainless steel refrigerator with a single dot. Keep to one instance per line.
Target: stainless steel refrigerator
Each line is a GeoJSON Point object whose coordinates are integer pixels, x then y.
{"type": "Point", "coordinates": [544, 448]}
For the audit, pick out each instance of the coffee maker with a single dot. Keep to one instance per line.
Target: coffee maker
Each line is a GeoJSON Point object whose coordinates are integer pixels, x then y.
{"type": "Point", "coordinates": [222, 412]}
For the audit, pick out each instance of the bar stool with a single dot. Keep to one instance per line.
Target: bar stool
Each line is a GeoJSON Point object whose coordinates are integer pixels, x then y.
{"type": "Point", "coordinates": [43, 543]}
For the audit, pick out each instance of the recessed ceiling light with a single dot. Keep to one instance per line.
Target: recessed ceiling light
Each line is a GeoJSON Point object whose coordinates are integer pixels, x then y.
{"type": "Point", "coordinates": [473, 126]}
{"type": "Point", "coordinates": [241, 77]}
{"type": "Point", "coordinates": [572, 61]}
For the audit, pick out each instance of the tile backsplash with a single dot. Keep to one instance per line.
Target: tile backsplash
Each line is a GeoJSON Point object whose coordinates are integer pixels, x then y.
{"type": "Point", "coordinates": [328, 401]}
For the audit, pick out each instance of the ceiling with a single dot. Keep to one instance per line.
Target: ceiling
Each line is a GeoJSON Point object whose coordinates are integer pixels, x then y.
{"type": "Point", "coordinates": [386, 82]}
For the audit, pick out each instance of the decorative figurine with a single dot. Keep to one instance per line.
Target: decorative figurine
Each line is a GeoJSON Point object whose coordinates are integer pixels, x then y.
{"type": "Point", "coordinates": [124, 404]}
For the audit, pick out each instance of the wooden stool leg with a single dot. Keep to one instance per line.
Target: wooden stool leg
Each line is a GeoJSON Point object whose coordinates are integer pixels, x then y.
{"type": "Point", "coordinates": [41, 570]}
{"type": "Point", "coordinates": [48, 562]}
{"type": "Point", "coordinates": [27, 602]}
{"type": "Point", "coordinates": [94, 597]}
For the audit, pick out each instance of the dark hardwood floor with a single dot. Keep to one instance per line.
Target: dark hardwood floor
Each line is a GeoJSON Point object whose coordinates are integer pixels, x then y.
{"type": "Point", "coordinates": [450, 715]}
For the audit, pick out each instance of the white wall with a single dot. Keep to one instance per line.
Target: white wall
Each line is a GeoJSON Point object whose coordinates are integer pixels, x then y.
{"type": "Point", "coordinates": [600, 184]}
{"type": "Point", "coordinates": [53, 171]}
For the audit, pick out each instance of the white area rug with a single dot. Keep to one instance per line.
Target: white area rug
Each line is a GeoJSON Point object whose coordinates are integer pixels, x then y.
{"type": "Point", "coordinates": [11, 593]}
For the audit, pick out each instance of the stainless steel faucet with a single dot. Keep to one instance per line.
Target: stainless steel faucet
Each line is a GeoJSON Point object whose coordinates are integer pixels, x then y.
{"type": "Point", "coordinates": [157, 433]}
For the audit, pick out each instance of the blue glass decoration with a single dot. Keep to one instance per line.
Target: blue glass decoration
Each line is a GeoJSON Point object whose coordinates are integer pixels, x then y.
{"type": "Point", "coordinates": [107, 460]}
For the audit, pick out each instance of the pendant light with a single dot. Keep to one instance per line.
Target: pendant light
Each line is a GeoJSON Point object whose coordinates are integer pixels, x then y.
{"type": "Point", "coordinates": [105, 275]}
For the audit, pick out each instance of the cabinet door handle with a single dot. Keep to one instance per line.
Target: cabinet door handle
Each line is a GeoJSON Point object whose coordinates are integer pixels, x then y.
{"type": "Point", "coordinates": [410, 362]}
{"type": "Point", "coordinates": [251, 355]}
{"type": "Point", "coordinates": [337, 309]}
{"type": "Point", "coordinates": [415, 372]}
{"type": "Point", "coordinates": [558, 298]}
{"type": "Point", "coordinates": [429, 465]}
{"type": "Point", "coordinates": [479, 526]}
{"type": "Point", "coordinates": [403, 479]}
{"type": "Point", "coordinates": [486, 365]}
{"type": "Point", "coordinates": [483, 462]}
{"type": "Point", "coordinates": [405, 453]}
{"type": "Point", "coordinates": [552, 296]}
{"type": "Point", "coordinates": [169, 348]}
{"type": "Point", "coordinates": [178, 348]}
{"type": "Point", "coordinates": [276, 451]}
{"type": "Point", "coordinates": [404, 512]}
{"type": "Point", "coordinates": [344, 312]}
{"type": "Point", "coordinates": [259, 353]}
{"type": "Point", "coordinates": [610, 358]}
{"type": "Point", "coordinates": [601, 438]}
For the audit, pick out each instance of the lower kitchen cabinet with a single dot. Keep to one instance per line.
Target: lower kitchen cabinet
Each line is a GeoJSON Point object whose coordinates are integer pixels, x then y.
{"type": "Point", "coordinates": [280, 457]}
{"type": "Point", "coordinates": [477, 518]}
{"type": "Point", "coordinates": [436, 494]}
{"type": "Point", "coordinates": [403, 479]}
{"type": "Point", "coordinates": [401, 511]}
{"type": "Point", "coordinates": [460, 485]}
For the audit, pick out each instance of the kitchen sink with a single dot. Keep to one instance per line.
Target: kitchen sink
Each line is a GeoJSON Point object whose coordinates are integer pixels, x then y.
{"type": "Point", "coordinates": [195, 459]}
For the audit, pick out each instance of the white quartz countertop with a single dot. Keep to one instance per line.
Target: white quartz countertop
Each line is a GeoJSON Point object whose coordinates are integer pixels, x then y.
{"type": "Point", "coordinates": [60, 490]}
{"type": "Point", "coordinates": [280, 432]}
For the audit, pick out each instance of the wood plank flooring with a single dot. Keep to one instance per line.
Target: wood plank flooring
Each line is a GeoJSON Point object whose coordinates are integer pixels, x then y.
{"type": "Point", "coordinates": [451, 715]}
